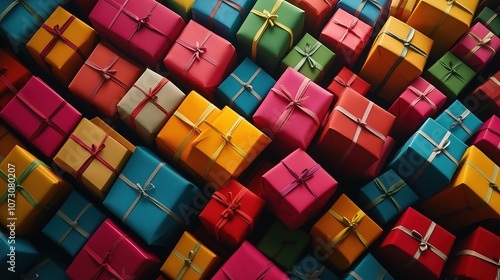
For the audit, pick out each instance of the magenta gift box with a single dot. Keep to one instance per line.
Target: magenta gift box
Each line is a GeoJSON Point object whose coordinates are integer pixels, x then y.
{"type": "Point", "coordinates": [144, 29]}
{"type": "Point", "coordinates": [488, 139]}
{"type": "Point", "coordinates": [42, 116]}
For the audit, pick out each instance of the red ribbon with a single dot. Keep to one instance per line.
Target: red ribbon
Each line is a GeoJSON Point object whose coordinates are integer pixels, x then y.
{"type": "Point", "coordinates": [103, 262]}
{"type": "Point", "coordinates": [232, 209]}
{"type": "Point", "coordinates": [345, 84]}
{"type": "Point", "coordinates": [107, 74]}
{"type": "Point", "coordinates": [6, 81]}
{"type": "Point", "coordinates": [198, 50]}
{"type": "Point", "coordinates": [231, 4]}
{"type": "Point", "coordinates": [151, 96]}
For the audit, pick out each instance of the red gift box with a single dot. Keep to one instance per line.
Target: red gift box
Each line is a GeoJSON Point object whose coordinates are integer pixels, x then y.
{"type": "Point", "coordinates": [347, 79]}
{"type": "Point", "coordinates": [376, 168]}
{"type": "Point", "coordinates": [485, 100]}
{"type": "Point", "coordinates": [13, 76]}
{"type": "Point", "coordinates": [488, 139]}
{"type": "Point", "coordinates": [317, 13]}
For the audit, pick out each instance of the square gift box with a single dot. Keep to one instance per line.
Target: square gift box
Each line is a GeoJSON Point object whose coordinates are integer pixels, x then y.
{"type": "Point", "coordinates": [310, 268]}
{"type": "Point", "coordinates": [459, 120]}
{"type": "Point", "coordinates": [486, 97]}
{"type": "Point", "coordinates": [490, 19]}
{"type": "Point", "coordinates": [8, 141]}
{"type": "Point", "coordinates": [347, 79]}
{"type": "Point", "coordinates": [402, 9]}
{"type": "Point", "coordinates": [13, 76]}
{"type": "Point", "coordinates": [487, 139]}
{"type": "Point", "coordinates": [370, 12]}
{"type": "Point", "coordinates": [317, 13]}
{"type": "Point", "coordinates": [18, 254]}
{"type": "Point", "coordinates": [368, 268]}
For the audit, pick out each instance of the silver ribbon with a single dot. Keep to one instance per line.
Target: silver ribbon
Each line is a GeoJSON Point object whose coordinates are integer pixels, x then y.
{"type": "Point", "coordinates": [245, 86]}
{"type": "Point", "coordinates": [459, 120]}
{"type": "Point", "coordinates": [482, 257]}
{"type": "Point", "coordinates": [74, 223]}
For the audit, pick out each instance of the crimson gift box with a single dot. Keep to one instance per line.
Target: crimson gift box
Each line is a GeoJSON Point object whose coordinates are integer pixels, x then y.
{"type": "Point", "coordinates": [488, 139]}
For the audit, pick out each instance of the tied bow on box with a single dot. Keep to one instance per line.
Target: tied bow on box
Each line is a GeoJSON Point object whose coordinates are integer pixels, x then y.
{"type": "Point", "coordinates": [452, 68]}
{"type": "Point", "coordinates": [104, 262]}
{"type": "Point", "coordinates": [348, 29]}
{"type": "Point", "coordinates": [386, 193]}
{"type": "Point", "coordinates": [459, 120]}
{"type": "Point", "coordinates": [151, 95]}
{"type": "Point", "coordinates": [493, 187]}
{"type": "Point", "coordinates": [308, 275]}
{"type": "Point", "coordinates": [350, 227]}
{"type": "Point", "coordinates": [232, 209]}
{"type": "Point", "coordinates": [481, 42]}
{"type": "Point", "coordinates": [307, 56]}
{"type": "Point", "coordinates": [245, 86]}
{"type": "Point", "coordinates": [199, 52]}
{"type": "Point", "coordinates": [493, 261]}
{"type": "Point", "coordinates": [188, 262]}
{"type": "Point", "coordinates": [301, 180]}
{"type": "Point", "coordinates": [421, 95]}
{"type": "Point", "coordinates": [107, 74]}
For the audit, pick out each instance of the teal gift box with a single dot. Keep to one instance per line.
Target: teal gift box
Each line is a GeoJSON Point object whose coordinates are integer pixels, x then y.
{"type": "Point", "coordinates": [17, 255]}
{"type": "Point", "coordinates": [222, 17]}
{"type": "Point", "coordinates": [310, 268]}
{"type": "Point", "coordinates": [460, 121]}
{"type": "Point", "coordinates": [245, 88]}
{"type": "Point", "coordinates": [45, 269]}
{"type": "Point", "coordinates": [428, 160]}
{"type": "Point", "coordinates": [74, 223]}
{"type": "Point", "coordinates": [151, 198]}
{"type": "Point", "coordinates": [386, 197]}
{"type": "Point", "coordinates": [368, 268]}
{"type": "Point", "coordinates": [368, 11]}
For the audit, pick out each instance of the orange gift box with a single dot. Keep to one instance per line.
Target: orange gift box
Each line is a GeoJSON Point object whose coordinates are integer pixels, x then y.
{"type": "Point", "coordinates": [344, 233]}
{"type": "Point", "coordinates": [401, 9]}
{"type": "Point", "coordinates": [7, 141]}
{"type": "Point", "coordinates": [13, 76]}
{"type": "Point", "coordinates": [397, 57]}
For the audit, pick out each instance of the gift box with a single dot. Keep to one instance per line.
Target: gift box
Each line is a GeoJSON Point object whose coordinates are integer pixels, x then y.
{"type": "Point", "coordinates": [189, 260]}
{"type": "Point", "coordinates": [450, 75]}
{"type": "Point", "coordinates": [317, 13]}
{"type": "Point", "coordinates": [143, 29]}
{"type": "Point", "coordinates": [62, 44]}
{"type": "Point", "coordinates": [269, 32]}
{"type": "Point", "coordinates": [386, 197]}
{"type": "Point", "coordinates": [93, 157]}
{"type": "Point", "coordinates": [490, 19]}
{"type": "Point", "coordinates": [459, 120]}
{"type": "Point", "coordinates": [36, 187]}
{"type": "Point", "coordinates": [43, 117]}
{"type": "Point", "coordinates": [397, 57]}
{"type": "Point", "coordinates": [347, 79]}
{"type": "Point", "coordinates": [486, 98]}
{"type": "Point", "coordinates": [442, 21]}
{"type": "Point", "coordinates": [428, 159]}
{"type": "Point", "coordinates": [296, 189]}
{"type": "Point", "coordinates": [370, 12]}
{"type": "Point", "coordinates": [347, 36]}
{"type": "Point", "coordinates": [310, 268]}
{"type": "Point", "coordinates": [149, 103]}
{"type": "Point", "coordinates": [343, 233]}
{"type": "Point", "coordinates": [231, 213]}
{"type": "Point", "coordinates": [13, 76]}
{"type": "Point", "coordinates": [487, 139]}
{"type": "Point", "coordinates": [252, 179]}
{"type": "Point", "coordinates": [180, 7]}
{"type": "Point", "coordinates": [401, 9]}
{"type": "Point", "coordinates": [18, 254]}
{"type": "Point", "coordinates": [282, 245]}
{"type": "Point", "coordinates": [477, 47]}
{"type": "Point", "coordinates": [104, 79]}
{"type": "Point", "coordinates": [45, 269]}
{"type": "Point", "coordinates": [111, 253]}
{"type": "Point", "coordinates": [419, 101]}
{"type": "Point", "coordinates": [248, 263]}
{"type": "Point", "coordinates": [7, 141]}
{"type": "Point", "coordinates": [200, 60]}
{"type": "Point", "coordinates": [368, 268]}
{"type": "Point", "coordinates": [376, 168]}
{"type": "Point", "coordinates": [417, 246]}
{"type": "Point", "coordinates": [292, 112]}
{"type": "Point", "coordinates": [74, 223]}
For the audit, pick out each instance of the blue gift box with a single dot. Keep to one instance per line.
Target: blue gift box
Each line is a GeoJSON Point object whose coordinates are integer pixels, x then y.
{"type": "Point", "coordinates": [459, 121]}
{"type": "Point", "coordinates": [45, 269]}
{"type": "Point", "coordinates": [386, 197]}
{"type": "Point", "coordinates": [222, 17]}
{"type": "Point", "coordinates": [151, 198]}
{"type": "Point", "coordinates": [428, 160]}
{"type": "Point", "coordinates": [368, 268]}
{"type": "Point", "coordinates": [74, 223]}
{"type": "Point", "coordinates": [241, 89]}
{"type": "Point", "coordinates": [310, 268]}
{"type": "Point", "coordinates": [17, 255]}
{"type": "Point", "coordinates": [368, 11]}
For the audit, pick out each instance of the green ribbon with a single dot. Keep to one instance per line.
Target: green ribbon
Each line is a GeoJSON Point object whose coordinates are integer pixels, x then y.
{"type": "Point", "coordinates": [452, 68]}
{"type": "Point", "coordinates": [26, 5]}
{"type": "Point", "coordinates": [188, 262]}
{"type": "Point", "coordinates": [307, 56]}
{"type": "Point", "coordinates": [386, 193]}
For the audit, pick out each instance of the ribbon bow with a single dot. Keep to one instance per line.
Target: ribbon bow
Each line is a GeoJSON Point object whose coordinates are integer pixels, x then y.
{"type": "Point", "coordinates": [217, 5]}
{"type": "Point", "coordinates": [348, 28]}
{"type": "Point", "coordinates": [74, 223]}
{"type": "Point", "coordinates": [451, 4]}
{"type": "Point", "coordinates": [26, 5]}
{"type": "Point", "coordinates": [452, 68]}
{"type": "Point", "coordinates": [104, 262]}
{"type": "Point", "coordinates": [492, 185]}
{"type": "Point", "coordinates": [494, 261]}
{"type": "Point", "coordinates": [107, 74]}
{"type": "Point", "coordinates": [232, 209]}
{"type": "Point", "coordinates": [6, 81]}
{"type": "Point", "coordinates": [198, 50]}
{"type": "Point", "coordinates": [386, 193]}
{"type": "Point", "coordinates": [301, 179]}
{"type": "Point", "coordinates": [142, 21]}
{"type": "Point", "coordinates": [150, 96]}
{"type": "Point", "coordinates": [308, 275]}
{"type": "Point", "coordinates": [188, 262]}
{"type": "Point", "coordinates": [484, 42]}
{"type": "Point", "coordinates": [459, 120]}
{"type": "Point", "coordinates": [307, 56]}
{"type": "Point", "coordinates": [421, 95]}
{"type": "Point", "coordinates": [350, 227]}
{"type": "Point", "coordinates": [246, 86]}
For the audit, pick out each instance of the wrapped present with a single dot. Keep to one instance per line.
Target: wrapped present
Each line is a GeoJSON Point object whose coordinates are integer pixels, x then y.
{"type": "Point", "coordinates": [144, 29]}
{"type": "Point", "coordinates": [200, 60]}
{"type": "Point", "coordinates": [7, 141]}
{"type": "Point", "coordinates": [36, 188]}
{"type": "Point", "coordinates": [282, 245]}
{"type": "Point", "coordinates": [459, 120]}
{"type": "Point", "coordinates": [13, 76]}
{"type": "Point", "coordinates": [149, 103]}
{"type": "Point", "coordinates": [104, 79]}
{"type": "Point", "coordinates": [43, 117]}
{"type": "Point", "coordinates": [370, 12]}
{"type": "Point", "coordinates": [292, 112]}
{"type": "Point", "coordinates": [397, 57]}
{"type": "Point", "coordinates": [417, 246]}
{"type": "Point", "coordinates": [45, 269]}
{"type": "Point", "coordinates": [248, 263]}
{"type": "Point", "coordinates": [317, 13]}
{"type": "Point", "coordinates": [428, 159]}
{"type": "Point", "coordinates": [18, 254]}
{"type": "Point", "coordinates": [93, 157]}
{"type": "Point", "coordinates": [297, 188]}
{"type": "Point", "coordinates": [111, 253]}
{"type": "Point", "coordinates": [245, 88]}
{"type": "Point", "coordinates": [450, 75]}
{"type": "Point", "coordinates": [347, 79]}
{"type": "Point", "coordinates": [74, 223]}
{"type": "Point", "coordinates": [310, 57]}
{"type": "Point", "coordinates": [310, 268]}
{"type": "Point", "coordinates": [386, 197]}
{"type": "Point", "coordinates": [189, 260]}
{"type": "Point", "coordinates": [442, 21]}
{"type": "Point", "coordinates": [485, 99]}
{"type": "Point", "coordinates": [368, 268]}
{"type": "Point", "coordinates": [490, 19]}
{"type": "Point", "coordinates": [419, 101]}
{"type": "Point", "coordinates": [401, 9]}
{"type": "Point", "coordinates": [181, 7]}
{"type": "Point", "coordinates": [487, 139]}
{"type": "Point", "coordinates": [62, 44]}
{"type": "Point", "coordinates": [347, 36]}
{"type": "Point", "coordinates": [376, 168]}
{"type": "Point", "coordinates": [269, 32]}
{"type": "Point", "coordinates": [343, 233]}
{"type": "Point", "coordinates": [231, 213]}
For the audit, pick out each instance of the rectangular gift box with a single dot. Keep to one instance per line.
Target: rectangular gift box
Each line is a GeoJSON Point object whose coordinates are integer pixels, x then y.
{"type": "Point", "coordinates": [180, 7]}
{"type": "Point", "coordinates": [144, 29]}
{"type": "Point", "coordinates": [111, 254]}
{"type": "Point", "coordinates": [43, 117]}
{"type": "Point", "coordinates": [45, 269]}
{"type": "Point", "coordinates": [13, 76]}
{"type": "Point", "coordinates": [17, 255]}
{"type": "Point", "coordinates": [62, 44]}
{"type": "Point", "coordinates": [317, 13]}
{"type": "Point", "coordinates": [487, 139]}
{"type": "Point", "coordinates": [402, 9]}
{"type": "Point", "coordinates": [8, 141]}
{"type": "Point", "coordinates": [370, 12]}
{"type": "Point", "coordinates": [295, 202]}
{"type": "Point", "coordinates": [397, 57]}
{"type": "Point", "coordinates": [149, 103]}
{"type": "Point", "coordinates": [347, 79]}
{"type": "Point", "coordinates": [459, 120]}
{"type": "Point", "coordinates": [309, 267]}
{"type": "Point", "coordinates": [486, 97]}
{"type": "Point", "coordinates": [368, 268]}
{"type": "Point", "coordinates": [490, 19]}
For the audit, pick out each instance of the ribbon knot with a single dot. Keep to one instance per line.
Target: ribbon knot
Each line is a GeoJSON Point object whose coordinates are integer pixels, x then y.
{"type": "Point", "coordinates": [142, 21]}
{"type": "Point", "coordinates": [230, 210]}
{"type": "Point", "coordinates": [73, 224]}
{"type": "Point", "coordinates": [424, 244]}
{"type": "Point", "coordinates": [144, 191]}
{"type": "Point", "coordinates": [494, 186]}
{"type": "Point", "coordinates": [94, 149]}
{"type": "Point", "coordinates": [361, 122]}
{"type": "Point", "coordinates": [248, 86]}
{"type": "Point", "coordinates": [270, 18]}
{"type": "Point", "coordinates": [232, 206]}
{"type": "Point", "coordinates": [199, 50]}
{"type": "Point", "coordinates": [108, 73]}
{"type": "Point", "coordinates": [452, 68]}
{"type": "Point", "coordinates": [442, 147]}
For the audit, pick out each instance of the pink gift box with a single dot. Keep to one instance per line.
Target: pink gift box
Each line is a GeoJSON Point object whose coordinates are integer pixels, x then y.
{"type": "Point", "coordinates": [39, 114]}
{"type": "Point", "coordinates": [248, 263]}
{"type": "Point", "coordinates": [297, 188]}
{"type": "Point", "coordinates": [488, 139]}
{"type": "Point", "coordinates": [376, 168]}
{"type": "Point", "coordinates": [477, 47]}
{"type": "Point", "coordinates": [143, 29]}
{"type": "Point", "coordinates": [419, 101]}
{"type": "Point", "coordinates": [292, 112]}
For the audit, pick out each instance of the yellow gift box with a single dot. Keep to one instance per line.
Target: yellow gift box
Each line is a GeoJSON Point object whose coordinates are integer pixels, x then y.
{"type": "Point", "coordinates": [28, 189]}
{"type": "Point", "coordinates": [7, 141]}
{"type": "Point", "coordinates": [189, 260]}
{"type": "Point", "coordinates": [443, 21]}
{"type": "Point", "coordinates": [397, 57]}
{"type": "Point", "coordinates": [473, 194]}
{"type": "Point", "coordinates": [93, 156]}
{"type": "Point", "coordinates": [181, 7]}
{"type": "Point", "coordinates": [61, 46]}
{"type": "Point", "coordinates": [402, 9]}
{"type": "Point", "coordinates": [343, 233]}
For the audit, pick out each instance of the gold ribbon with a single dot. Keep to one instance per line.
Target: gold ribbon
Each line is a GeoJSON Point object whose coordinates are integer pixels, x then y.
{"type": "Point", "coordinates": [245, 86]}
{"type": "Point", "coordinates": [307, 56]}
{"type": "Point", "coordinates": [459, 120]}
{"type": "Point", "coordinates": [491, 180]}
{"type": "Point", "coordinates": [386, 193]}
{"type": "Point", "coordinates": [188, 262]}
{"type": "Point", "coordinates": [350, 227]}
{"type": "Point", "coordinates": [494, 262]}
{"type": "Point", "coordinates": [484, 42]}
{"type": "Point", "coordinates": [451, 4]}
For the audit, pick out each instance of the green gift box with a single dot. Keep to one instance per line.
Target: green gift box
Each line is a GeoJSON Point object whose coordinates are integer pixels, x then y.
{"type": "Point", "coordinates": [282, 245]}
{"type": "Point", "coordinates": [309, 57]}
{"type": "Point", "coordinates": [270, 31]}
{"type": "Point", "coordinates": [490, 19]}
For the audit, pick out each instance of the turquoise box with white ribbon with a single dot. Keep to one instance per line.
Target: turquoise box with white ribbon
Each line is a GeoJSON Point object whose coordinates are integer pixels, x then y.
{"type": "Point", "coordinates": [460, 121]}
{"type": "Point", "coordinates": [368, 268]}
